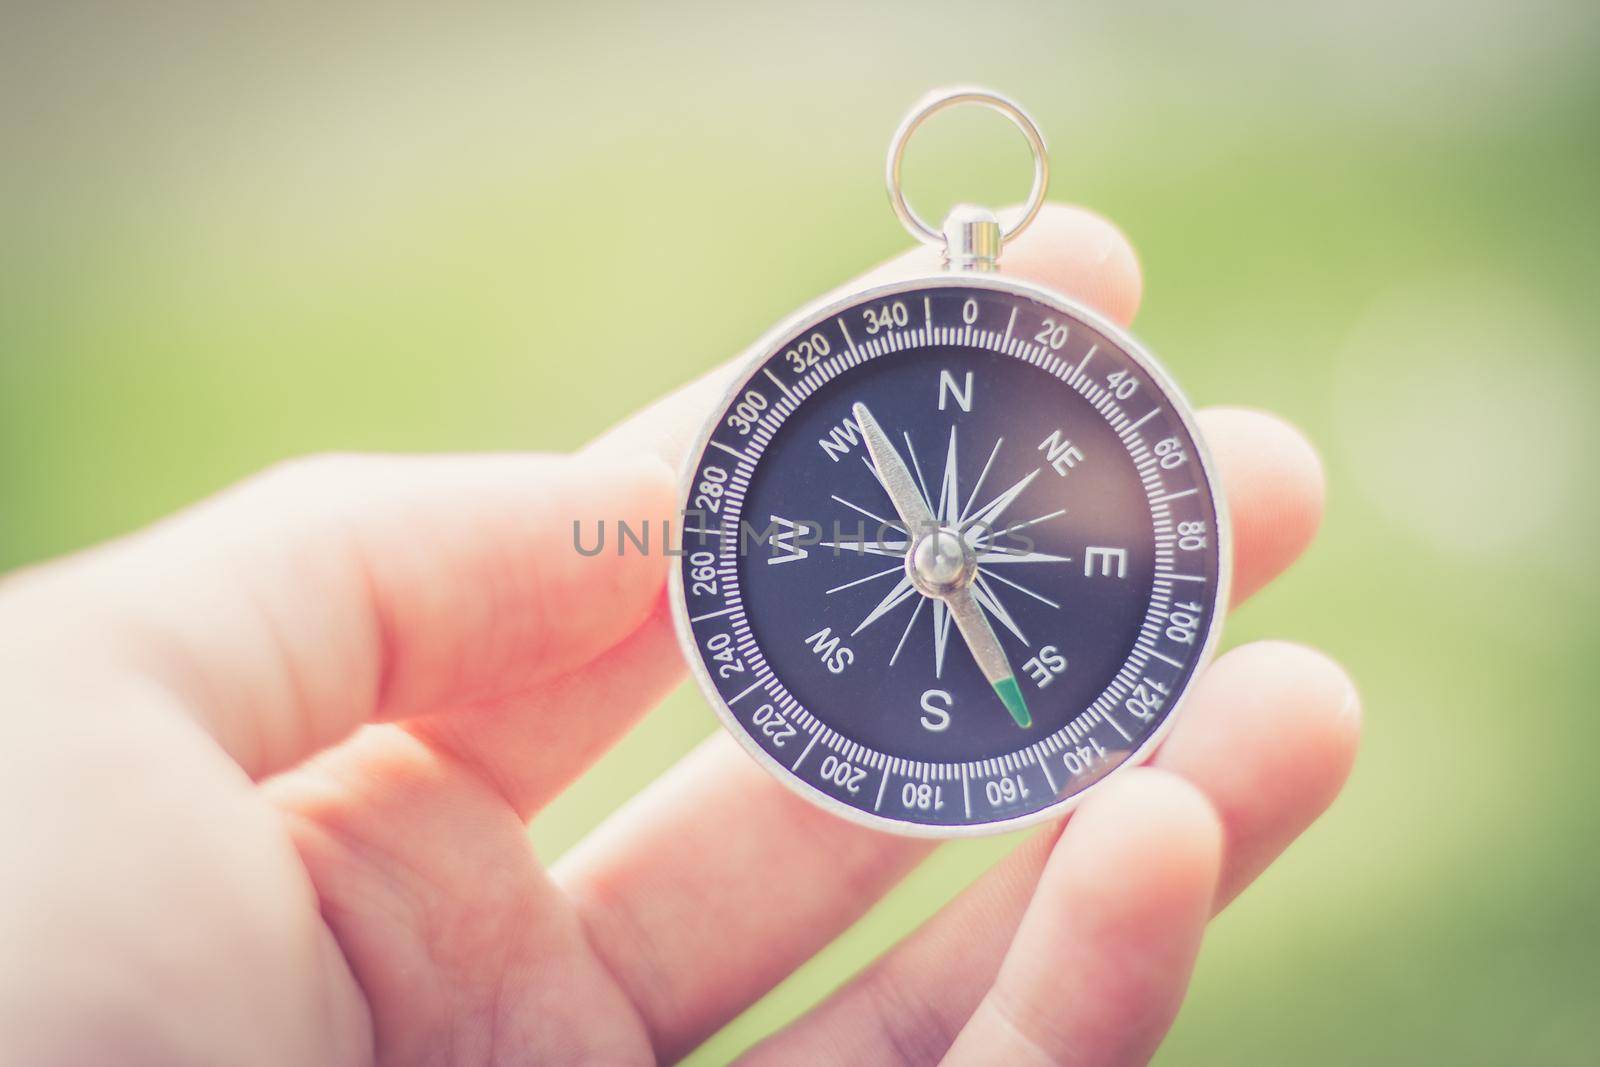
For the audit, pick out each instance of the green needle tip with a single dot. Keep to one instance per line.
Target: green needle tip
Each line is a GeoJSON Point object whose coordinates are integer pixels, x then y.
{"type": "Point", "coordinates": [1011, 696]}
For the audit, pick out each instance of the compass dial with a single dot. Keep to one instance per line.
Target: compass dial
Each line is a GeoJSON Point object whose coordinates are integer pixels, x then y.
{"type": "Point", "coordinates": [951, 555]}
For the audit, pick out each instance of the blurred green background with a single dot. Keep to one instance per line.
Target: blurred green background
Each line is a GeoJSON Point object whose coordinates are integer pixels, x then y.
{"type": "Point", "coordinates": [233, 236]}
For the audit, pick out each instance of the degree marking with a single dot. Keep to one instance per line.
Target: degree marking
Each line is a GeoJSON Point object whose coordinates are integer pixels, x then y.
{"type": "Point", "coordinates": [1078, 373]}
{"type": "Point", "coordinates": [1105, 714]}
{"type": "Point", "coordinates": [714, 614]}
{"type": "Point", "coordinates": [778, 382]}
{"type": "Point", "coordinates": [806, 752]}
{"type": "Point", "coordinates": [1044, 765]}
{"type": "Point", "coordinates": [848, 340]}
{"type": "Point", "coordinates": [1146, 417]}
{"type": "Point", "coordinates": [730, 450]}
{"type": "Point", "coordinates": [1164, 658]}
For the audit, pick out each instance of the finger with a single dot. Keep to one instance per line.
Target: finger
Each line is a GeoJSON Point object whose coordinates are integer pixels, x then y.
{"type": "Point", "coordinates": [1299, 716]}
{"type": "Point", "coordinates": [531, 747]}
{"type": "Point", "coordinates": [290, 609]}
{"type": "Point", "coordinates": [513, 744]}
{"type": "Point", "coordinates": [1274, 486]}
{"type": "Point", "coordinates": [751, 883]}
{"type": "Point", "coordinates": [1268, 740]}
{"type": "Point", "coordinates": [1103, 954]}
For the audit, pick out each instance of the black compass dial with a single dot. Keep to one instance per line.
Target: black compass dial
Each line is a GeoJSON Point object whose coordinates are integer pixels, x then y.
{"type": "Point", "coordinates": [952, 555]}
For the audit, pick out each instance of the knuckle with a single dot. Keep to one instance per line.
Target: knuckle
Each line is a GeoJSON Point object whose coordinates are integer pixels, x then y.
{"type": "Point", "coordinates": [912, 1028]}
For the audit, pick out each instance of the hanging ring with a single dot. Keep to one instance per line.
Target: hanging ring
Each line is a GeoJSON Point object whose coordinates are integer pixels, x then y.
{"type": "Point", "coordinates": [931, 105]}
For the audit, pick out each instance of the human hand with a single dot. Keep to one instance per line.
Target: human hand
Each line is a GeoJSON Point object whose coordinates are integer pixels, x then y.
{"type": "Point", "coordinates": [268, 768]}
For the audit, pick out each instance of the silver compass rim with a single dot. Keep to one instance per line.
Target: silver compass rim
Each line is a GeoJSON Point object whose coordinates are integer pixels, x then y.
{"type": "Point", "coordinates": [755, 357]}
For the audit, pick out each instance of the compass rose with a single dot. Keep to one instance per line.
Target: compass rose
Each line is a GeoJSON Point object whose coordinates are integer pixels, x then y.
{"type": "Point", "coordinates": [951, 555]}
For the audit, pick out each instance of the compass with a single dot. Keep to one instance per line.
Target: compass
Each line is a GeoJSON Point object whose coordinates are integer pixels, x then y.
{"type": "Point", "coordinates": [953, 550]}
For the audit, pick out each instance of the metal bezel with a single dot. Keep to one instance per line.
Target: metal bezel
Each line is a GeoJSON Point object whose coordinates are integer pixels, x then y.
{"type": "Point", "coordinates": [826, 307]}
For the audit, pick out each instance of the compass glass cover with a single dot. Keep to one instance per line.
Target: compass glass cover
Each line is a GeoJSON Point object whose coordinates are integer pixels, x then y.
{"type": "Point", "coordinates": [1068, 497]}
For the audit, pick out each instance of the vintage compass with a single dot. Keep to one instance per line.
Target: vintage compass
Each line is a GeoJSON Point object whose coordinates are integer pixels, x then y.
{"type": "Point", "coordinates": [953, 548]}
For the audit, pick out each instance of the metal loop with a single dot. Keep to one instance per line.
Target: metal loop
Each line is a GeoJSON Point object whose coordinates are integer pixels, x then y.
{"type": "Point", "coordinates": [931, 105]}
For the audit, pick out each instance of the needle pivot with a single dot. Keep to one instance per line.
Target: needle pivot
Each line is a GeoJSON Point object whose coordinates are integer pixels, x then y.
{"type": "Point", "coordinates": [940, 562]}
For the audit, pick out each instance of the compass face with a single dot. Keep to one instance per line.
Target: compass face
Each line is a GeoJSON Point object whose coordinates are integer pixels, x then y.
{"type": "Point", "coordinates": [951, 555]}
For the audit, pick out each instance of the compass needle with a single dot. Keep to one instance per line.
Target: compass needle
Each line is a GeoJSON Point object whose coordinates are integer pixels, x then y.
{"type": "Point", "coordinates": [1011, 696]}
{"type": "Point", "coordinates": [914, 434]}
{"type": "Point", "coordinates": [897, 479]}
{"type": "Point", "coordinates": [985, 648]}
